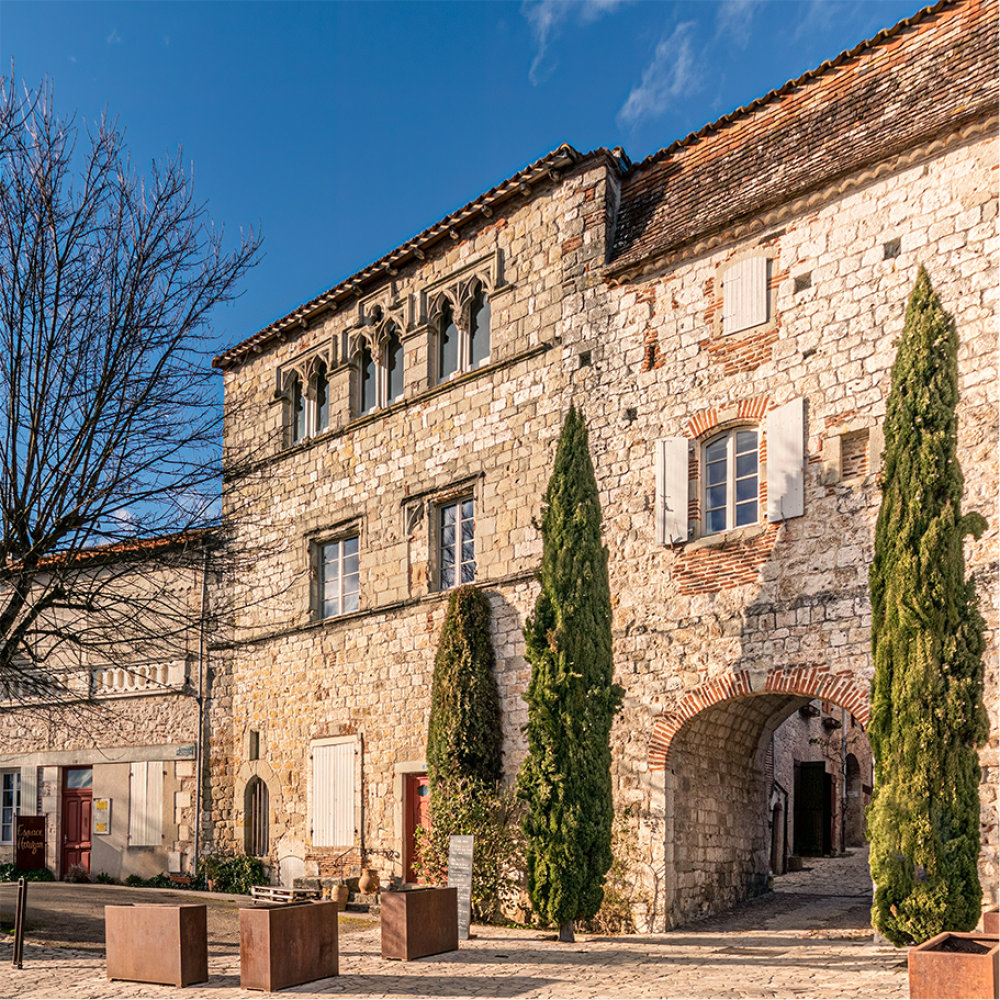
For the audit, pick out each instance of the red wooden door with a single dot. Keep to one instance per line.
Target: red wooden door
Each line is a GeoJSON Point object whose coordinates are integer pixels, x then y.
{"type": "Point", "coordinates": [78, 792]}
{"type": "Point", "coordinates": [417, 812]}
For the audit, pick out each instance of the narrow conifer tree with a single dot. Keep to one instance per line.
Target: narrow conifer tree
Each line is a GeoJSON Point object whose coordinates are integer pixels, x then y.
{"type": "Point", "coordinates": [566, 777]}
{"type": "Point", "coordinates": [927, 643]}
{"type": "Point", "coordinates": [464, 738]}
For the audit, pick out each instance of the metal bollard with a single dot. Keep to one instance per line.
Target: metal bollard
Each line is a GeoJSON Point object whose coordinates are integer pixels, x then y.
{"type": "Point", "coordinates": [17, 960]}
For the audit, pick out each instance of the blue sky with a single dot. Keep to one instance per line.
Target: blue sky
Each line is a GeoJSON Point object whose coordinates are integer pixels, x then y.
{"type": "Point", "coordinates": [342, 129]}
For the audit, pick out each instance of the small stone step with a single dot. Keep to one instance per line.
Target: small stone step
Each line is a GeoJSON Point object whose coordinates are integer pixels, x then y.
{"type": "Point", "coordinates": [369, 909]}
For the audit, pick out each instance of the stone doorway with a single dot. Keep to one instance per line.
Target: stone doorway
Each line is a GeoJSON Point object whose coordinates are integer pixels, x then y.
{"type": "Point", "coordinates": [730, 804]}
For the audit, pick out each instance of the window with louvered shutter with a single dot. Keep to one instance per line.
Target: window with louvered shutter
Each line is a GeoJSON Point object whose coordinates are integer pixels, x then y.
{"type": "Point", "coordinates": [333, 794]}
{"type": "Point", "coordinates": [745, 295]}
{"type": "Point", "coordinates": [671, 491]}
{"type": "Point", "coordinates": [145, 807]}
{"type": "Point", "coordinates": [785, 450]}
{"type": "Point", "coordinates": [29, 791]}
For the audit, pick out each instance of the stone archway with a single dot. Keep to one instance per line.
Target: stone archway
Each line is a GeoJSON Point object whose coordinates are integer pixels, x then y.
{"type": "Point", "coordinates": [718, 792]}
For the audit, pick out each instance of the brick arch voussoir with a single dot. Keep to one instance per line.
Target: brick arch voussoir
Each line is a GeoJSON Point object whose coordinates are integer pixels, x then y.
{"type": "Point", "coordinates": [803, 682]}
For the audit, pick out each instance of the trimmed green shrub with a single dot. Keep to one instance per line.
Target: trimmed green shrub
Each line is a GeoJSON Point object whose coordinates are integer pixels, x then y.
{"type": "Point", "coordinates": [9, 873]}
{"type": "Point", "coordinates": [492, 816]}
{"type": "Point", "coordinates": [238, 874]}
{"type": "Point", "coordinates": [464, 738]}
{"type": "Point", "coordinates": [572, 700]}
{"type": "Point", "coordinates": [103, 878]}
{"type": "Point", "coordinates": [927, 713]}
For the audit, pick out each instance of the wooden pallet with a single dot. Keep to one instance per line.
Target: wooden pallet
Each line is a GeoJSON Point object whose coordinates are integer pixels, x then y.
{"type": "Point", "coordinates": [279, 894]}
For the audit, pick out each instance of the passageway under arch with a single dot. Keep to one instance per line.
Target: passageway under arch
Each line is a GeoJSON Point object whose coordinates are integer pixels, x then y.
{"type": "Point", "coordinates": [731, 819]}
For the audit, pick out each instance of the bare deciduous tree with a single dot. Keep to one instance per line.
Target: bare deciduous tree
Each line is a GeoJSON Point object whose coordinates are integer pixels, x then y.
{"type": "Point", "coordinates": [109, 410]}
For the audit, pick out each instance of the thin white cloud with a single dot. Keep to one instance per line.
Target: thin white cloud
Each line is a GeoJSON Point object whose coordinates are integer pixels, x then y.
{"type": "Point", "coordinates": [114, 38]}
{"type": "Point", "coordinates": [672, 74]}
{"type": "Point", "coordinates": [733, 18]}
{"type": "Point", "coordinates": [546, 17]}
{"type": "Point", "coordinates": [850, 17]}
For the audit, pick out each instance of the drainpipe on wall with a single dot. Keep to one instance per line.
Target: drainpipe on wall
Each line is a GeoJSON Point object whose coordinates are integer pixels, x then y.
{"type": "Point", "coordinates": [200, 701]}
{"type": "Point", "coordinates": [843, 781]}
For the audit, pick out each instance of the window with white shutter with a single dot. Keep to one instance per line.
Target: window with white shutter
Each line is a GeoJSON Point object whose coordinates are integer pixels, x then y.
{"type": "Point", "coordinates": [785, 449]}
{"type": "Point", "coordinates": [671, 491]}
{"type": "Point", "coordinates": [29, 791]}
{"type": "Point", "coordinates": [745, 295]}
{"type": "Point", "coordinates": [333, 794]}
{"type": "Point", "coordinates": [145, 806]}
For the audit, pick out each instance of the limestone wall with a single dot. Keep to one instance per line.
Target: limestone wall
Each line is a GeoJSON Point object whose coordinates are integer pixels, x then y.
{"type": "Point", "coordinates": [781, 607]}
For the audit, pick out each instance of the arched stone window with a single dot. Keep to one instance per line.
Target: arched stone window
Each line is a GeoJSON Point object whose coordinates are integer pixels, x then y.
{"type": "Point", "coordinates": [322, 399]}
{"type": "Point", "coordinates": [393, 360]}
{"type": "Point", "coordinates": [256, 840]}
{"type": "Point", "coordinates": [479, 329]}
{"type": "Point", "coordinates": [447, 346]}
{"type": "Point", "coordinates": [367, 380]}
{"type": "Point", "coordinates": [297, 405]}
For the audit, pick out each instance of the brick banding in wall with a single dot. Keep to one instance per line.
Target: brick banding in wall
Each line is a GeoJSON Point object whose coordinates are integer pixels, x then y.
{"type": "Point", "coordinates": [813, 681]}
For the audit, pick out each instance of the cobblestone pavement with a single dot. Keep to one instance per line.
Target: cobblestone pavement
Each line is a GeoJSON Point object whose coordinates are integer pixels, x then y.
{"type": "Point", "coordinates": [809, 938]}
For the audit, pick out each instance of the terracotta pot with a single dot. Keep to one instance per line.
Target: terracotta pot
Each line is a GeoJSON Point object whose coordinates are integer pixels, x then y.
{"type": "Point", "coordinates": [954, 965]}
{"type": "Point", "coordinates": [368, 882]}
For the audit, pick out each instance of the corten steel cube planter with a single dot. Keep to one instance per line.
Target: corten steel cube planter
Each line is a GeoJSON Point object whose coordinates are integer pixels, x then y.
{"type": "Point", "coordinates": [419, 922]}
{"type": "Point", "coordinates": [284, 944]}
{"type": "Point", "coordinates": [954, 965]}
{"type": "Point", "coordinates": [991, 922]}
{"type": "Point", "coordinates": [157, 943]}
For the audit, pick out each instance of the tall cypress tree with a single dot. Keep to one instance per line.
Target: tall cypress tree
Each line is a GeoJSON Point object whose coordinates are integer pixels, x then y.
{"type": "Point", "coordinates": [566, 778]}
{"type": "Point", "coordinates": [464, 738]}
{"type": "Point", "coordinates": [927, 643]}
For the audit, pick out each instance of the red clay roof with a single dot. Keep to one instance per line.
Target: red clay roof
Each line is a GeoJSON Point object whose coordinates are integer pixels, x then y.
{"type": "Point", "coordinates": [544, 169]}
{"type": "Point", "coordinates": [925, 76]}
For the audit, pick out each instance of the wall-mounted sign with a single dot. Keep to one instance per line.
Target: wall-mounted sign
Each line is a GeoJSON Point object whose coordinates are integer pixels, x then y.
{"type": "Point", "coordinates": [460, 875]}
{"type": "Point", "coordinates": [187, 751]}
{"type": "Point", "coordinates": [102, 816]}
{"type": "Point", "coordinates": [30, 839]}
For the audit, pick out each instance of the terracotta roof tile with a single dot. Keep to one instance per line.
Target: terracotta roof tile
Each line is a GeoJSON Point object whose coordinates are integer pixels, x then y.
{"type": "Point", "coordinates": [911, 82]}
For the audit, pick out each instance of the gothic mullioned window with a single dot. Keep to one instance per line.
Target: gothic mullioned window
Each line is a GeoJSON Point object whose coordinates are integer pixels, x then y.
{"type": "Point", "coordinates": [309, 410]}
{"type": "Point", "coordinates": [463, 346]}
{"type": "Point", "coordinates": [380, 371]}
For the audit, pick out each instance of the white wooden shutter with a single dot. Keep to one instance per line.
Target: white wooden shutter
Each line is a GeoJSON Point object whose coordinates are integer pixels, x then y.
{"type": "Point", "coordinates": [333, 795]}
{"type": "Point", "coordinates": [145, 804]}
{"type": "Point", "coordinates": [671, 491]}
{"type": "Point", "coordinates": [744, 295]}
{"type": "Point", "coordinates": [29, 791]}
{"type": "Point", "coordinates": [785, 480]}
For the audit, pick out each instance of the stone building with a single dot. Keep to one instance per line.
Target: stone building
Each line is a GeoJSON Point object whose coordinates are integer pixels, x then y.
{"type": "Point", "coordinates": [724, 312]}
{"type": "Point", "coordinates": [105, 743]}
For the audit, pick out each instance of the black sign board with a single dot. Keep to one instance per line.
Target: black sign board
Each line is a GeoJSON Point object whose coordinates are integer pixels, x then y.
{"type": "Point", "coordinates": [460, 876]}
{"type": "Point", "coordinates": [29, 835]}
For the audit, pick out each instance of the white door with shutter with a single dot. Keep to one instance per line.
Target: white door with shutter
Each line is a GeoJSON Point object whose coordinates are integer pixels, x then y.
{"type": "Point", "coordinates": [333, 794]}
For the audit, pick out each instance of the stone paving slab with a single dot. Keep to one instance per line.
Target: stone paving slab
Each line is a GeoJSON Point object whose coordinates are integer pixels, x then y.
{"type": "Point", "coordinates": [796, 942]}
{"type": "Point", "coordinates": [499, 963]}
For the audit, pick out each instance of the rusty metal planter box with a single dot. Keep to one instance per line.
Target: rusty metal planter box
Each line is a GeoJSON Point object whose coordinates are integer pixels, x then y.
{"type": "Point", "coordinates": [991, 922]}
{"type": "Point", "coordinates": [287, 944]}
{"type": "Point", "coordinates": [157, 943]}
{"type": "Point", "coordinates": [419, 922]}
{"type": "Point", "coordinates": [940, 969]}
